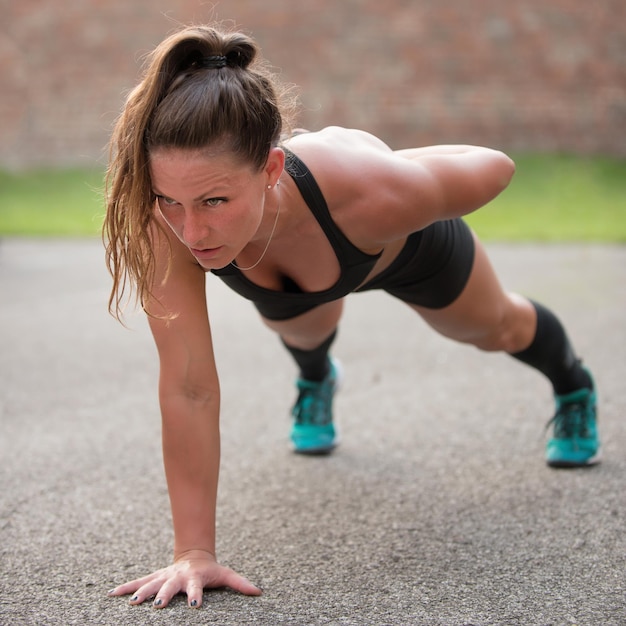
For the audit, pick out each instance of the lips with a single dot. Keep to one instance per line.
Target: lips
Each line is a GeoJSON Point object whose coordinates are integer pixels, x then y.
{"type": "Point", "coordinates": [207, 254]}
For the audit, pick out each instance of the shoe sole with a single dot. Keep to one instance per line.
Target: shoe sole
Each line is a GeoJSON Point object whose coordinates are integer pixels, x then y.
{"type": "Point", "coordinates": [594, 460]}
{"type": "Point", "coordinates": [315, 451]}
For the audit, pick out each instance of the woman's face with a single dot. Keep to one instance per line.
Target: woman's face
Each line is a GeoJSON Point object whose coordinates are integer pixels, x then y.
{"type": "Point", "coordinates": [212, 202]}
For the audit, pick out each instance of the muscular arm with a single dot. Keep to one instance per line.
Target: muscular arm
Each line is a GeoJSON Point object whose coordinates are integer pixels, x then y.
{"type": "Point", "coordinates": [190, 403]}
{"type": "Point", "coordinates": [378, 195]}
{"type": "Point", "coordinates": [426, 185]}
{"type": "Point", "coordinates": [467, 176]}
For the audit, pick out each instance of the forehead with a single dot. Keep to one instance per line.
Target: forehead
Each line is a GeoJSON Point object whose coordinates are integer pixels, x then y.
{"type": "Point", "coordinates": [175, 167]}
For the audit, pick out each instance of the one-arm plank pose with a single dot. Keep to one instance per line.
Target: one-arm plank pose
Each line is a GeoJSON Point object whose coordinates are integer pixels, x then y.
{"type": "Point", "coordinates": [204, 178]}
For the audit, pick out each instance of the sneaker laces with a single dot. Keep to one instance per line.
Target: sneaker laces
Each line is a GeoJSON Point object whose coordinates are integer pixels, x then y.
{"type": "Point", "coordinates": [571, 420]}
{"type": "Point", "coordinates": [313, 403]}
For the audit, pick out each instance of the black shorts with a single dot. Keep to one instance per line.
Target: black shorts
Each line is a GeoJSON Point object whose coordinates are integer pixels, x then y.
{"type": "Point", "coordinates": [432, 268]}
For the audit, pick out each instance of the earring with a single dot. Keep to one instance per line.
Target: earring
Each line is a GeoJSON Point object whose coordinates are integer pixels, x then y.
{"type": "Point", "coordinates": [269, 186]}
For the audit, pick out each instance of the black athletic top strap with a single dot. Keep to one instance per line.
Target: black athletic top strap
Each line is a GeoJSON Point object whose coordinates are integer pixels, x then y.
{"type": "Point", "coordinates": [345, 250]}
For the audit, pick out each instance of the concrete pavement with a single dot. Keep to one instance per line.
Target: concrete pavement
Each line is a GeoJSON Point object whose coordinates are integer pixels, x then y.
{"type": "Point", "coordinates": [437, 508]}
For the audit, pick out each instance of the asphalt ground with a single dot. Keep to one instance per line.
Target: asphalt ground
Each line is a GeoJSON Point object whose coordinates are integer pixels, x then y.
{"type": "Point", "coordinates": [436, 509]}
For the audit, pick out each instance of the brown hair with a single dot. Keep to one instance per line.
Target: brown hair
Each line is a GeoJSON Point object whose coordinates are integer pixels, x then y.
{"type": "Point", "coordinates": [200, 87]}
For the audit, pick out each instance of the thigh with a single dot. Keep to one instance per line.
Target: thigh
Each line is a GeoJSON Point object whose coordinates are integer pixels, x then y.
{"type": "Point", "coordinates": [310, 329]}
{"type": "Point", "coordinates": [484, 314]}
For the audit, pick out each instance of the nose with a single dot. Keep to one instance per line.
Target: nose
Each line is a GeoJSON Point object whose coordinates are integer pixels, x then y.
{"type": "Point", "coordinates": [194, 230]}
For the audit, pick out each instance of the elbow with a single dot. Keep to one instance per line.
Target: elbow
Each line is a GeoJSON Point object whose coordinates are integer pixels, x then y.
{"type": "Point", "coordinates": [185, 393]}
{"type": "Point", "coordinates": [496, 176]}
{"type": "Point", "coordinates": [505, 169]}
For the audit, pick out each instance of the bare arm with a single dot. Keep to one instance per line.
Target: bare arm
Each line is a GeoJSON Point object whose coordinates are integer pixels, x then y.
{"type": "Point", "coordinates": [464, 178]}
{"type": "Point", "coordinates": [425, 185]}
{"type": "Point", "coordinates": [190, 403]}
{"type": "Point", "coordinates": [378, 195]}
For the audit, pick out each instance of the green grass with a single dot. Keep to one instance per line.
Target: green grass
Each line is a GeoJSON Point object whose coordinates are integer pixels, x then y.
{"type": "Point", "coordinates": [52, 203]}
{"type": "Point", "coordinates": [558, 198]}
{"type": "Point", "coordinates": [551, 198]}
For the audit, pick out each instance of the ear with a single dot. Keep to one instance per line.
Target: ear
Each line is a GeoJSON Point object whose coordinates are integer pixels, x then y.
{"type": "Point", "coordinates": [274, 166]}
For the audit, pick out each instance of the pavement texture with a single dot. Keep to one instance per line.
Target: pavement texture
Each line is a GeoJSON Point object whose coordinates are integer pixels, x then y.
{"type": "Point", "coordinates": [436, 509]}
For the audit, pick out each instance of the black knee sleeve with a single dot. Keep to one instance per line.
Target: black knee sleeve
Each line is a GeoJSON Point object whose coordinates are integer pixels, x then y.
{"type": "Point", "coordinates": [552, 354]}
{"type": "Point", "coordinates": [313, 364]}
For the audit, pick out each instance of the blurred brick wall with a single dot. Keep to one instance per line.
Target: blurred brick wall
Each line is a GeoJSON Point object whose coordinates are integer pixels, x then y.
{"type": "Point", "coordinates": [541, 75]}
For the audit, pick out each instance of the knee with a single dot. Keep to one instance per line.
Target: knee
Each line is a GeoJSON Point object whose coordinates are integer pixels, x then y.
{"type": "Point", "coordinates": [306, 341]}
{"type": "Point", "coordinates": [497, 339]}
{"type": "Point", "coordinates": [512, 328]}
{"type": "Point", "coordinates": [309, 330]}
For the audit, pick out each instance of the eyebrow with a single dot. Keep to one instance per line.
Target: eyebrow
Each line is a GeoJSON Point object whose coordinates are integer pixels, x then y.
{"type": "Point", "coordinates": [156, 192]}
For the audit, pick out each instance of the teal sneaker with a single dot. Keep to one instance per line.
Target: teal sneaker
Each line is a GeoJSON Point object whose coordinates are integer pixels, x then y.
{"type": "Point", "coordinates": [575, 441]}
{"type": "Point", "coordinates": [313, 431]}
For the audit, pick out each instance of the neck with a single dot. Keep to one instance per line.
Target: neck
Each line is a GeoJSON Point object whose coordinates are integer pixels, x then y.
{"type": "Point", "coordinates": [269, 239]}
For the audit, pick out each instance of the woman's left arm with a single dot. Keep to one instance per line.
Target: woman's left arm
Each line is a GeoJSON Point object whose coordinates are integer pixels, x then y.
{"type": "Point", "coordinates": [378, 195]}
{"type": "Point", "coordinates": [453, 181]}
{"type": "Point", "coordinates": [421, 186]}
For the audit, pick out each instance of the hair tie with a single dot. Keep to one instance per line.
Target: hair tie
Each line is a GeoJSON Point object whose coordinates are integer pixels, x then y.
{"type": "Point", "coordinates": [214, 62]}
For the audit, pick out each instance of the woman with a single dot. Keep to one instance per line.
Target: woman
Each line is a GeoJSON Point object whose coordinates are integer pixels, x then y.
{"type": "Point", "coordinates": [200, 182]}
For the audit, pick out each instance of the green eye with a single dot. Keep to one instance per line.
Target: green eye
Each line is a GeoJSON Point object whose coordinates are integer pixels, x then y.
{"type": "Point", "coordinates": [166, 201]}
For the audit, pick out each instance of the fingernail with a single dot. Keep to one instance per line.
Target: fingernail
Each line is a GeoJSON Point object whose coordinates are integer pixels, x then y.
{"type": "Point", "coordinates": [110, 591]}
{"type": "Point", "coordinates": [193, 603]}
{"type": "Point", "coordinates": [158, 602]}
{"type": "Point", "coordinates": [134, 599]}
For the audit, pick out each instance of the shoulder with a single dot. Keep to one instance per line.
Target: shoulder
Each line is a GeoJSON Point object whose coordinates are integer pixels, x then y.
{"type": "Point", "coordinates": [348, 164]}
{"type": "Point", "coordinates": [336, 144]}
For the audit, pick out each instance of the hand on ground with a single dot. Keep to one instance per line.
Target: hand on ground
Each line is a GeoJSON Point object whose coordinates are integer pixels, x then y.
{"type": "Point", "coordinates": [191, 574]}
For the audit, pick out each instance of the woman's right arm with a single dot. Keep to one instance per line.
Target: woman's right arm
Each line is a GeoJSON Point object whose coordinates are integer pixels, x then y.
{"type": "Point", "coordinates": [190, 404]}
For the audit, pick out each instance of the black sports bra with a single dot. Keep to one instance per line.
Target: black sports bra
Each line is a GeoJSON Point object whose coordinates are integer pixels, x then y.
{"type": "Point", "coordinates": [355, 265]}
